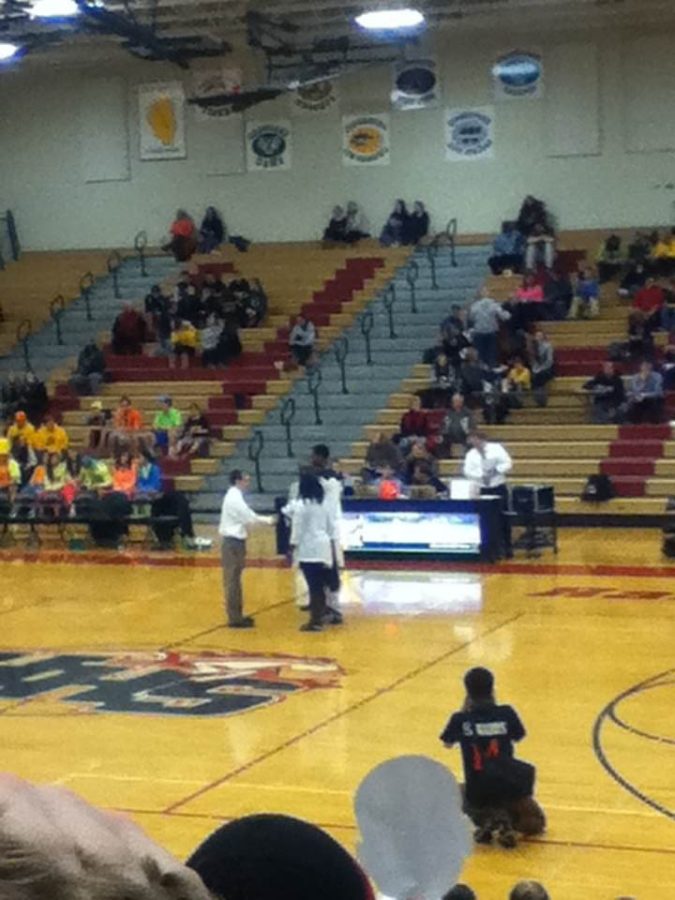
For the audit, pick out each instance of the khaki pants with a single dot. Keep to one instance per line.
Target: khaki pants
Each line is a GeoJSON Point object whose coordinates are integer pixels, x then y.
{"type": "Point", "coordinates": [233, 555]}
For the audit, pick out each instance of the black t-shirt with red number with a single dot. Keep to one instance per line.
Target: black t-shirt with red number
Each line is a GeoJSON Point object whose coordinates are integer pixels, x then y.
{"type": "Point", "coordinates": [486, 733]}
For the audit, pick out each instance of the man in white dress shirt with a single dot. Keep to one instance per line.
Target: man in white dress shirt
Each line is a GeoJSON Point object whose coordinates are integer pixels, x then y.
{"type": "Point", "coordinates": [487, 464]}
{"type": "Point", "coordinates": [236, 517]}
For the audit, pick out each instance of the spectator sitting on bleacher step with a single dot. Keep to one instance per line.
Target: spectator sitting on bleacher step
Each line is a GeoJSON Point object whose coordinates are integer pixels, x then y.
{"type": "Point", "coordinates": [149, 480]}
{"type": "Point", "coordinates": [209, 339]}
{"type": "Point", "coordinates": [416, 226]}
{"type": "Point", "coordinates": [640, 343]}
{"type": "Point", "coordinates": [414, 424]}
{"type": "Point", "coordinates": [129, 332]}
{"type": "Point", "coordinates": [518, 383]}
{"type": "Point", "coordinates": [183, 237]}
{"type": "Point", "coordinates": [10, 473]}
{"type": "Point", "coordinates": [392, 232]}
{"type": "Point", "coordinates": [357, 226]}
{"type": "Point", "coordinates": [127, 425]}
{"type": "Point", "coordinates": [21, 429]}
{"type": "Point", "coordinates": [125, 474]}
{"type": "Point", "coordinates": [508, 250]}
{"type": "Point", "coordinates": [90, 370]}
{"type": "Point", "coordinates": [540, 248]}
{"type": "Point", "coordinates": [586, 301]}
{"type": "Point", "coordinates": [610, 258]}
{"type": "Point", "coordinates": [663, 255]}
{"type": "Point", "coordinates": [645, 395]}
{"type": "Point", "coordinates": [542, 360]}
{"type": "Point", "coordinates": [193, 439]}
{"type": "Point", "coordinates": [34, 398]}
{"type": "Point", "coordinates": [184, 340]}
{"type": "Point", "coordinates": [189, 306]}
{"type": "Point", "coordinates": [50, 437]}
{"type": "Point", "coordinates": [211, 231]}
{"type": "Point", "coordinates": [634, 279]}
{"type": "Point", "coordinates": [418, 453]}
{"type": "Point", "coordinates": [458, 423]}
{"type": "Point", "coordinates": [382, 453]}
{"type": "Point", "coordinates": [301, 340]}
{"type": "Point", "coordinates": [99, 422]}
{"type": "Point", "coordinates": [533, 214]}
{"type": "Point", "coordinates": [424, 481]}
{"type": "Point", "coordinates": [649, 301]}
{"type": "Point", "coordinates": [26, 458]}
{"type": "Point", "coordinates": [166, 424]}
{"type": "Point", "coordinates": [558, 294]}
{"type": "Point", "coordinates": [336, 230]}
{"type": "Point", "coordinates": [95, 476]}
{"type": "Point", "coordinates": [158, 311]}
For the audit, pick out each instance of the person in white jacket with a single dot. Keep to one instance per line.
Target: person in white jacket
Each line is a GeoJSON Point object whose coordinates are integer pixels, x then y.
{"type": "Point", "coordinates": [314, 534]}
{"type": "Point", "coordinates": [487, 464]}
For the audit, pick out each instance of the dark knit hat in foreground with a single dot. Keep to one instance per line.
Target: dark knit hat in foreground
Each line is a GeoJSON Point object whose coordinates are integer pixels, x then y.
{"type": "Point", "coordinates": [276, 857]}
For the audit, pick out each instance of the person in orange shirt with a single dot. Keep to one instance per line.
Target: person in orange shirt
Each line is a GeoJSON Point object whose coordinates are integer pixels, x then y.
{"type": "Point", "coordinates": [127, 425]}
{"type": "Point", "coordinates": [50, 437]}
{"type": "Point", "coordinates": [125, 474]}
{"type": "Point", "coordinates": [184, 235]}
{"type": "Point", "coordinates": [21, 429]}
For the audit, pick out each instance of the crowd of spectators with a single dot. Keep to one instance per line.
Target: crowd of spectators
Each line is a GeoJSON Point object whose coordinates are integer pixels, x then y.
{"type": "Point", "coordinates": [185, 239]}
{"type": "Point", "coordinates": [403, 227]}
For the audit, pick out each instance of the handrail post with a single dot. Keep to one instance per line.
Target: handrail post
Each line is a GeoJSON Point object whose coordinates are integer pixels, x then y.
{"type": "Point", "coordinates": [366, 322]}
{"type": "Point", "coordinates": [411, 277]}
{"type": "Point", "coordinates": [23, 333]}
{"type": "Point", "coordinates": [56, 309]}
{"type": "Point", "coordinates": [255, 448]}
{"type": "Point", "coordinates": [431, 256]}
{"type": "Point", "coordinates": [86, 284]}
{"type": "Point", "coordinates": [389, 299]}
{"type": "Point", "coordinates": [341, 349]}
{"type": "Point", "coordinates": [140, 243]}
{"type": "Point", "coordinates": [114, 263]}
{"type": "Point", "coordinates": [314, 380]}
{"type": "Point", "coordinates": [287, 416]}
{"type": "Point", "coordinates": [452, 235]}
{"type": "Point", "coordinates": [13, 235]}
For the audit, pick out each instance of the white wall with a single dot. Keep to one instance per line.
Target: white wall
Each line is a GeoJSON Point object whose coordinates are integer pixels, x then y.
{"type": "Point", "coordinates": [46, 156]}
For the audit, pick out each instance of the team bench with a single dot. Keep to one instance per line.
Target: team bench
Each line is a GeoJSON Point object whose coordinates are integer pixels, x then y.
{"type": "Point", "coordinates": [65, 524]}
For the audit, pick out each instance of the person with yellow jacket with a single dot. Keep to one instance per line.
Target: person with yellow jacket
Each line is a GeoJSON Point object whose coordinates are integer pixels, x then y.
{"type": "Point", "coordinates": [185, 340]}
{"type": "Point", "coordinates": [50, 437]}
{"type": "Point", "coordinates": [21, 429]}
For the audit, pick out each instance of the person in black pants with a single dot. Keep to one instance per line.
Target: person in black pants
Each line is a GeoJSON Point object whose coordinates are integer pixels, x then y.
{"type": "Point", "coordinates": [487, 464]}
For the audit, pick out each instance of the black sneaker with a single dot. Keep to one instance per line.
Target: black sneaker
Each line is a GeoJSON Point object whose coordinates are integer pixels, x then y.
{"type": "Point", "coordinates": [311, 626]}
{"type": "Point", "coordinates": [246, 622]}
{"type": "Point", "coordinates": [483, 834]}
{"type": "Point", "coordinates": [332, 617]}
{"type": "Point", "coordinates": [506, 837]}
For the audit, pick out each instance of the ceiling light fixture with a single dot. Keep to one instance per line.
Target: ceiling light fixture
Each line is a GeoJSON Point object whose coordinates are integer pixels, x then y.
{"type": "Point", "coordinates": [7, 51]}
{"type": "Point", "coordinates": [54, 9]}
{"type": "Point", "coordinates": [390, 19]}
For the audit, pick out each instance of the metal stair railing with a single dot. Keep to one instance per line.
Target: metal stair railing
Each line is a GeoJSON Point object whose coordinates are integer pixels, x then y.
{"type": "Point", "coordinates": [314, 379]}
{"type": "Point", "coordinates": [86, 286]}
{"type": "Point", "coordinates": [56, 310]}
{"type": "Point", "coordinates": [411, 276]}
{"type": "Point", "coordinates": [341, 349]}
{"type": "Point", "coordinates": [255, 449]}
{"type": "Point", "coordinates": [113, 264]}
{"type": "Point", "coordinates": [389, 300]}
{"type": "Point", "coordinates": [287, 415]}
{"type": "Point", "coordinates": [140, 243]}
{"type": "Point", "coordinates": [366, 324]}
{"type": "Point", "coordinates": [449, 239]}
{"type": "Point", "coordinates": [23, 333]}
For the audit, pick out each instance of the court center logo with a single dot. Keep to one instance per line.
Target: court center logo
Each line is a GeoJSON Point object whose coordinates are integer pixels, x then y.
{"type": "Point", "coordinates": [469, 133]}
{"type": "Point", "coordinates": [365, 140]}
{"type": "Point", "coordinates": [164, 683]}
{"type": "Point", "coordinates": [518, 74]}
{"type": "Point", "coordinates": [268, 146]}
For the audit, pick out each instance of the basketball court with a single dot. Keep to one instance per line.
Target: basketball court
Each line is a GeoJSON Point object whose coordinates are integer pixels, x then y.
{"type": "Point", "coordinates": [119, 680]}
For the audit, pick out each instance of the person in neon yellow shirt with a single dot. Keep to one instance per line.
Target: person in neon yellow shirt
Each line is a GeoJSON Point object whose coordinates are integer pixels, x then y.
{"type": "Point", "coordinates": [185, 339]}
{"type": "Point", "coordinates": [166, 423]}
{"type": "Point", "coordinates": [664, 254]}
{"type": "Point", "coordinates": [10, 472]}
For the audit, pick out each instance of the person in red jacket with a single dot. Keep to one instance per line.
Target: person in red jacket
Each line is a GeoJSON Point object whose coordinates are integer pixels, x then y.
{"type": "Point", "coordinates": [649, 300]}
{"type": "Point", "coordinates": [414, 423]}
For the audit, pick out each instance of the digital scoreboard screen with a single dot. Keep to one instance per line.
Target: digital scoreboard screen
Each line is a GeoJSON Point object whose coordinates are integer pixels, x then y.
{"type": "Point", "coordinates": [379, 533]}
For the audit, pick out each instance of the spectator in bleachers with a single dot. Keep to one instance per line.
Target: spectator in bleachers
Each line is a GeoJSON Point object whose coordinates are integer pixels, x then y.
{"type": "Point", "coordinates": [542, 360]}
{"type": "Point", "coordinates": [389, 484]}
{"type": "Point", "coordinates": [209, 339]}
{"type": "Point", "coordinates": [183, 237]}
{"type": "Point", "coordinates": [663, 255]}
{"type": "Point", "coordinates": [336, 230]}
{"type": "Point", "coordinates": [640, 344]}
{"type": "Point", "coordinates": [649, 301]}
{"type": "Point", "coordinates": [211, 231]}
{"type": "Point", "coordinates": [610, 258]}
{"type": "Point", "coordinates": [301, 340]}
{"type": "Point", "coordinates": [158, 311]}
{"type": "Point", "coordinates": [529, 297]}
{"type": "Point", "coordinates": [125, 474]}
{"type": "Point", "coordinates": [184, 340]}
{"type": "Point", "coordinates": [508, 250]}
{"type": "Point", "coordinates": [417, 453]}
{"type": "Point", "coordinates": [26, 458]}
{"type": "Point", "coordinates": [166, 424]}
{"type": "Point", "coordinates": [21, 429]}
{"type": "Point", "coordinates": [518, 382]}
{"type": "Point", "coordinates": [10, 472]}
{"type": "Point", "coordinates": [529, 290]}
{"type": "Point", "coordinates": [95, 475]}
{"type": "Point", "coordinates": [189, 306]}
{"type": "Point", "coordinates": [414, 424]}
{"type": "Point", "coordinates": [634, 279]}
{"type": "Point", "coordinates": [213, 295]}
{"type": "Point", "coordinates": [229, 346]}
{"type": "Point", "coordinates": [423, 479]}
{"type": "Point", "coordinates": [558, 294]}
{"type": "Point", "coordinates": [381, 454]}
{"type": "Point", "coordinates": [149, 480]}
{"type": "Point", "coordinates": [540, 248]}
{"type": "Point", "coordinates": [668, 308]}
{"type": "Point", "coordinates": [34, 399]}
{"type": "Point", "coordinates": [645, 395]}
{"type": "Point", "coordinates": [127, 425]}
{"type": "Point", "coordinates": [357, 226]}
{"type": "Point", "coordinates": [129, 332]}
{"type": "Point", "coordinates": [56, 479]}
{"type": "Point", "coordinates": [50, 437]}
{"type": "Point", "coordinates": [586, 301]}
{"type": "Point", "coordinates": [394, 227]}
{"type": "Point", "coordinates": [639, 250]}
{"type": "Point", "coordinates": [251, 304]}
{"type": "Point", "coordinates": [453, 336]}
{"type": "Point", "coordinates": [416, 226]}
{"type": "Point", "coordinates": [90, 371]}
{"type": "Point", "coordinates": [485, 314]}
{"type": "Point", "coordinates": [533, 214]}
{"type": "Point", "coordinates": [193, 439]}
{"type": "Point", "coordinates": [471, 377]}
{"type": "Point", "coordinates": [458, 423]}
{"type": "Point", "coordinates": [529, 890]}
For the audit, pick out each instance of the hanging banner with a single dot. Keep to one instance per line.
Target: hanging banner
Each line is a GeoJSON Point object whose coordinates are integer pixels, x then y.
{"type": "Point", "coordinates": [161, 121]}
{"type": "Point", "coordinates": [215, 83]}
{"type": "Point", "coordinates": [365, 140]}
{"type": "Point", "coordinates": [469, 133]}
{"type": "Point", "coordinates": [416, 85]}
{"type": "Point", "coordinates": [268, 146]}
{"type": "Point", "coordinates": [315, 98]}
{"type": "Point", "coordinates": [518, 75]}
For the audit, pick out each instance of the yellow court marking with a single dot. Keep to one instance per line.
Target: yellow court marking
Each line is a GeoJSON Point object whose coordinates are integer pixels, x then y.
{"type": "Point", "coordinates": [563, 645]}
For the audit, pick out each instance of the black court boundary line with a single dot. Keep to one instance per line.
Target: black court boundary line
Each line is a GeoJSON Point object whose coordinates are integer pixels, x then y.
{"type": "Point", "coordinates": [608, 714]}
{"type": "Point", "coordinates": [359, 704]}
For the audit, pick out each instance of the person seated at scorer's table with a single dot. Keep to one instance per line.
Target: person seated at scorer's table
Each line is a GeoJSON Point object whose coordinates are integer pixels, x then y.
{"type": "Point", "coordinates": [498, 789]}
{"type": "Point", "coordinates": [487, 464]}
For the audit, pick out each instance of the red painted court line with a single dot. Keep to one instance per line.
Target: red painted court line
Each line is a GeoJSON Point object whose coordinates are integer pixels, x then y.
{"type": "Point", "coordinates": [126, 559]}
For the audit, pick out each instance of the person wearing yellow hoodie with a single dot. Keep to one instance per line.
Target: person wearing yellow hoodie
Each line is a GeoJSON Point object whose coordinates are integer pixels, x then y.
{"type": "Point", "coordinates": [10, 472]}
{"type": "Point", "coordinates": [185, 339]}
{"type": "Point", "coordinates": [21, 429]}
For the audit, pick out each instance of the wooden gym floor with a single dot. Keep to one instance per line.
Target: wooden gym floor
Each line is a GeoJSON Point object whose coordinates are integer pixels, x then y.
{"type": "Point", "coordinates": [117, 680]}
